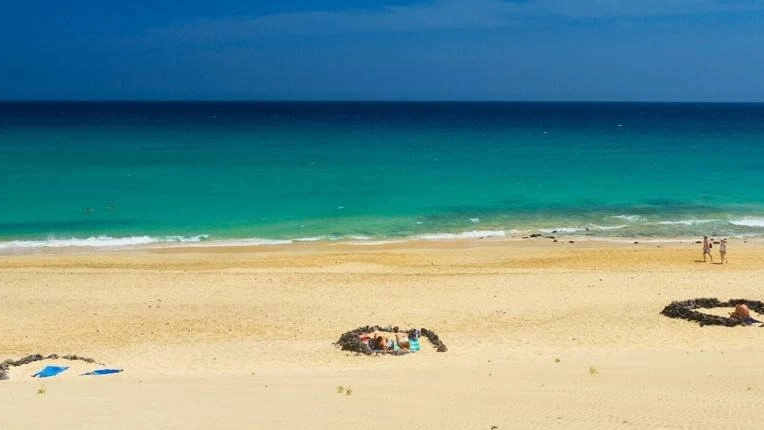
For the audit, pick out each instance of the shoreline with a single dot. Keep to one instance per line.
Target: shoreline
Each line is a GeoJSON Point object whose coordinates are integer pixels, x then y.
{"type": "Point", "coordinates": [444, 238]}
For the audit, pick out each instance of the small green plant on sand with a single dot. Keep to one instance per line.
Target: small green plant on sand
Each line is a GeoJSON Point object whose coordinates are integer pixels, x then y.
{"type": "Point", "coordinates": [593, 371]}
{"type": "Point", "coordinates": [342, 389]}
{"type": "Point", "coordinates": [42, 390]}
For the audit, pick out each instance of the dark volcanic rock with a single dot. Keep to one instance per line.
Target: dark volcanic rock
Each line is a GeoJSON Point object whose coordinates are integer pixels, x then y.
{"type": "Point", "coordinates": [7, 364]}
{"type": "Point", "coordinates": [686, 309]}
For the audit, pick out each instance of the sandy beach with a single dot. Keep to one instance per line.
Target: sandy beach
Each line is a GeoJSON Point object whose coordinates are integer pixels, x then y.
{"type": "Point", "coordinates": [540, 335]}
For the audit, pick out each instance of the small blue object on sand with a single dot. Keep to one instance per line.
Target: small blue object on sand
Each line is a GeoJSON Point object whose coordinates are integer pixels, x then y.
{"type": "Point", "coordinates": [102, 372]}
{"type": "Point", "coordinates": [49, 371]}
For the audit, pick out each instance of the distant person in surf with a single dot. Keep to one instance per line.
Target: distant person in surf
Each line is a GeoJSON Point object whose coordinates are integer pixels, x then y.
{"type": "Point", "coordinates": [707, 249]}
{"type": "Point", "coordinates": [723, 250]}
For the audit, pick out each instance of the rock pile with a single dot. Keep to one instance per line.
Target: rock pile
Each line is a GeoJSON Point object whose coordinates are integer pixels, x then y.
{"type": "Point", "coordinates": [686, 310]}
{"type": "Point", "coordinates": [350, 341]}
{"type": "Point", "coordinates": [434, 339]}
{"type": "Point", "coordinates": [7, 364]}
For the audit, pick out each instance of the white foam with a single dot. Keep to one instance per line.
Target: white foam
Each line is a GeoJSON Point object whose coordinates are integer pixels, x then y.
{"type": "Point", "coordinates": [359, 237]}
{"type": "Point", "coordinates": [748, 222]}
{"type": "Point", "coordinates": [562, 230]}
{"type": "Point", "coordinates": [608, 227]}
{"type": "Point", "coordinates": [629, 218]}
{"type": "Point", "coordinates": [685, 222]}
{"type": "Point", "coordinates": [475, 234]}
{"type": "Point", "coordinates": [309, 239]}
{"type": "Point", "coordinates": [591, 227]}
{"type": "Point", "coordinates": [99, 242]}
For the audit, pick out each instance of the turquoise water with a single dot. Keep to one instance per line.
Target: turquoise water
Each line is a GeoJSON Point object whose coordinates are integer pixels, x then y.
{"type": "Point", "coordinates": [132, 173]}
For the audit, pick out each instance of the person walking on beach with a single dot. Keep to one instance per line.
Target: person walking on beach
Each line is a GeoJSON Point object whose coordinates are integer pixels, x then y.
{"type": "Point", "coordinates": [707, 249]}
{"type": "Point", "coordinates": [723, 250]}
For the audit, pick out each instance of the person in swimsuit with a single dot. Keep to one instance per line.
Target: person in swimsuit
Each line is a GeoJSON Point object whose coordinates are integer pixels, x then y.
{"type": "Point", "coordinates": [384, 343]}
{"type": "Point", "coordinates": [723, 250]}
{"type": "Point", "coordinates": [743, 313]}
{"type": "Point", "coordinates": [707, 249]}
{"type": "Point", "coordinates": [404, 345]}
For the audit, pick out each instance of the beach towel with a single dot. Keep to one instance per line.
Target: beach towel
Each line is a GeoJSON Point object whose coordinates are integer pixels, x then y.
{"type": "Point", "coordinates": [49, 371]}
{"type": "Point", "coordinates": [102, 372]}
{"type": "Point", "coordinates": [414, 345]}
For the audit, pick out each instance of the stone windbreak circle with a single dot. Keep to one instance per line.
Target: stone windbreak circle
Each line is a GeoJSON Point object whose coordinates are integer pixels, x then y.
{"type": "Point", "coordinates": [7, 364]}
{"type": "Point", "coordinates": [687, 309]}
{"type": "Point", "coordinates": [350, 341]}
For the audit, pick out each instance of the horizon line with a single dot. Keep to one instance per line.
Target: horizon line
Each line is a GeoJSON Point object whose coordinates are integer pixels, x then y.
{"type": "Point", "coordinates": [42, 101]}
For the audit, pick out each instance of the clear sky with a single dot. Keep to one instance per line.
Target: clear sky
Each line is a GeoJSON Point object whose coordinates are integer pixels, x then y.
{"type": "Point", "coordinates": [678, 50]}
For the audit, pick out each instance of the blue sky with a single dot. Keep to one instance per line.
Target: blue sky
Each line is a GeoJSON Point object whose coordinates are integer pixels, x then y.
{"type": "Point", "coordinates": [677, 50]}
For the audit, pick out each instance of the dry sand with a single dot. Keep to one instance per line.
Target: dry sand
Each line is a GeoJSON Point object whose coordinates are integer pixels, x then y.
{"type": "Point", "coordinates": [540, 335]}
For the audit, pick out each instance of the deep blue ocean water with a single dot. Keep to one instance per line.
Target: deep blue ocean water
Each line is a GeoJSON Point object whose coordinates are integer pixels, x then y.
{"type": "Point", "coordinates": [133, 173]}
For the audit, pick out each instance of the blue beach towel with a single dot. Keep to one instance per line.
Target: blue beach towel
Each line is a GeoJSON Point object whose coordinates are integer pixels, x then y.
{"type": "Point", "coordinates": [102, 372]}
{"type": "Point", "coordinates": [49, 371]}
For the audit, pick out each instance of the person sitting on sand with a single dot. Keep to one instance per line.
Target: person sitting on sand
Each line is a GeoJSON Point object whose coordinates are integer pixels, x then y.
{"type": "Point", "coordinates": [384, 343]}
{"type": "Point", "coordinates": [723, 250]}
{"type": "Point", "coordinates": [741, 312]}
{"type": "Point", "coordinates": [707, 249]}
{"type": "Point", "coordinates": [404, 345]}
{"type": "Point", "coordinates": [744, 314]}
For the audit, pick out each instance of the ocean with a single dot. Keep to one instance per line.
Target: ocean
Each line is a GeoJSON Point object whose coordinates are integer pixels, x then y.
{"type": "Point", "coordinates": [121, 174]}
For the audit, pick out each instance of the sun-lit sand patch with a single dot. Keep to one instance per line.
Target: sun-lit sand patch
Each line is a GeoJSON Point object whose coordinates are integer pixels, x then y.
{"type": "Point", "coordinates": [539, 335]}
